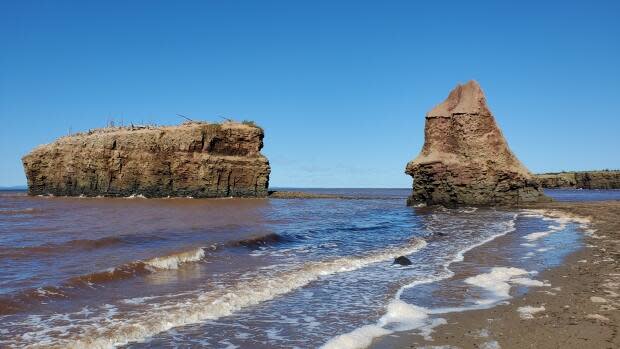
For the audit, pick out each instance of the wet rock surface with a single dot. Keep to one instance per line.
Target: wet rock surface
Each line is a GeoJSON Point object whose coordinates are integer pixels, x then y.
{"type": "Point", "coordinates": [194, 159]}
{"type": "Point", "coordinates": [402, 260]}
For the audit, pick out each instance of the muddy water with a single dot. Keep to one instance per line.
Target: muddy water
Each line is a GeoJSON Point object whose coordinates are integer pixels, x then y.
{"type": "Point", "coordinates": [255, 273]}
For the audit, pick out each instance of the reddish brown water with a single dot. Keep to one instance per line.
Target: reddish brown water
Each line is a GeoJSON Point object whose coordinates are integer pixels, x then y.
{"type": "Point", "coordinates": [98, 272]}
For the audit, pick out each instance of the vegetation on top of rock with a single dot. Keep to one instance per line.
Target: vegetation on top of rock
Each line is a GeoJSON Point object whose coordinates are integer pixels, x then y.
{"type": "Point", "coordinates": [113, 127]}
{"type": "Point", "coordinates": [251, 123]}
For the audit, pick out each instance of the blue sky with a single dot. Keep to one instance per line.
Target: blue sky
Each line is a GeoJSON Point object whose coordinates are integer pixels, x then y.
{"type": "Point", "coordinates": [341, 87]}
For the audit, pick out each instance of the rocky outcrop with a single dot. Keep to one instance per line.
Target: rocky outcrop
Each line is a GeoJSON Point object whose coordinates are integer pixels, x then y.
{"type": "Point", "coordinates": [465, 159]}
{"type": "Point", "coordinates": [194, 159]}
{"type": "Point", "coordinates": [557, 180]}
{"type": "Point", "coordinates": [581, 180]}
{"type": "Point", "coordinates": [402, 260]}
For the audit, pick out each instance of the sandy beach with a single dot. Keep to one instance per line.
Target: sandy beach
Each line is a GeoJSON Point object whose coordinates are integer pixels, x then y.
{"type": "Point", "coordinates": [578, 310]}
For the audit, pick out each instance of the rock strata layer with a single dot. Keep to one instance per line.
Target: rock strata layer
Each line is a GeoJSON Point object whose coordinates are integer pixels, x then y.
{"type": "Point", "coordinates": [194, 159]}
{"type": "Point", "coordinates": [581, 180]}
{"type": "Point", "coordinates": [465, 159]}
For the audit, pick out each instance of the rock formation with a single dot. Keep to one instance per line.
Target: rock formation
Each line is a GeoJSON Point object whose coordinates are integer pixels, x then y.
{"type": "Point", "coordinates": [581, 180]}
{"type": "Point", "coordinates": [465, 159]}
{"type": "Point", "coordinates": [402, 260]}
{"type": "Point", "coordinates": [194, 159]}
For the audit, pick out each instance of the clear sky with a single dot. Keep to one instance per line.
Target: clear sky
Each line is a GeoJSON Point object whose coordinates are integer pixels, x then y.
{"type": "Point", "coordinates": [340, 87]}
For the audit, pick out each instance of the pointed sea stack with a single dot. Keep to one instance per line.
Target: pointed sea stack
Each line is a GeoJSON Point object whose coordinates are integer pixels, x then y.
{"type": "Point", "coordinates": [196, 159]}
{"type": "Point", "coordinates": [466, 160]}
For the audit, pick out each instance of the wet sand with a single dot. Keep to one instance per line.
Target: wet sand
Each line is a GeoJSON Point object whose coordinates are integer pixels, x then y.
{"type": "Point", "coordinates": [580, 308]}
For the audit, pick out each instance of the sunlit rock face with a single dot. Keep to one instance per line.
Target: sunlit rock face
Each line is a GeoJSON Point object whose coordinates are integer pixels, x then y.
{"type": "Point", "coordinates": [465, 159]}
{"type": "Point", "coordinates": [605, 179]}
{"type": "Point", "coordinates": [194, 159]}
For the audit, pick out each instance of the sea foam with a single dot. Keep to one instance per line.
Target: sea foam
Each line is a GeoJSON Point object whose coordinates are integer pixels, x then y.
{"type": "Point", "coordinates": [174, 260]}
{"type": "Point", "coordinates": [214, 304]}
{"type": "Point", "coordinates": [527, 312]}
{"type": "Point", "coordinates": [497, 282]}
{"type": "Point", "coordinates": [402, 316]}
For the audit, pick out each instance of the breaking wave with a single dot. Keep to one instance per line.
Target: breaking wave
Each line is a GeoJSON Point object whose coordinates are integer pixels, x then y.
{"type": "Point", "coordinates": [174, 260]}
{"type": "Point", "coordinates": [215, 304]}
{"type": "Point", "coordinates": [19, 301]}
{"type": "Point", "coordinates": [22, 300]}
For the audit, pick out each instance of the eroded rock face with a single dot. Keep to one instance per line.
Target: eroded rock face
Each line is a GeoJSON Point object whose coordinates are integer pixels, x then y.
{"type": "Point", "coordinates": [560, 180]}
{"type": "Point", "coordinates": [193, 159]}
{"type": "Point", "coordinates": [465, 159]}
{"type": "Point", "coordinates": [581, 180]}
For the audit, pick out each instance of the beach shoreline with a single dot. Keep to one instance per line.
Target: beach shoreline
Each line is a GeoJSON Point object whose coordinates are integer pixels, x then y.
{"type": "Point", "coordinates": [579, 310]}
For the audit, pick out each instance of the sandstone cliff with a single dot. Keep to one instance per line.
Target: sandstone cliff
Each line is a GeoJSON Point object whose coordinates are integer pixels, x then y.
{"type": "Point", "coordinates": [465, 159]}
{"type": "Point", "coordinates": [581, 180]}
{"type": "Point", "coordinates": [193, 159]}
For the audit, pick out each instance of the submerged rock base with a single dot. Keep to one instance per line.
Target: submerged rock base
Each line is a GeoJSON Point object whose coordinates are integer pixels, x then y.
{"type": "Point", "coordinates": [194, 159]}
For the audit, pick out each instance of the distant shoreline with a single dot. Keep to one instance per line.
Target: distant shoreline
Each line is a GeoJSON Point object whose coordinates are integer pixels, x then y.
{"type": "Point", "coordinates": [15, 188]}
{"type": "Point", "coordinates": [307, 193]}
{"type": "Point", "coordinates": [603, 179]}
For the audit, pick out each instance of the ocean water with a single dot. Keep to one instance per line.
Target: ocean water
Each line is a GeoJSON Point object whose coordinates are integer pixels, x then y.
{"type": "Point", "coordinates": [583, 195]}
{"type": "Point", "coordinates": [259, 273]}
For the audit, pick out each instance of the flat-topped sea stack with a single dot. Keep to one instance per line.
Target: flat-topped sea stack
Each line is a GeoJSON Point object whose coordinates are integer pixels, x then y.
{"type": "Point", "coordinates": [196, 159]}
{"type": "Point", "coordinates": [465, 159]}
